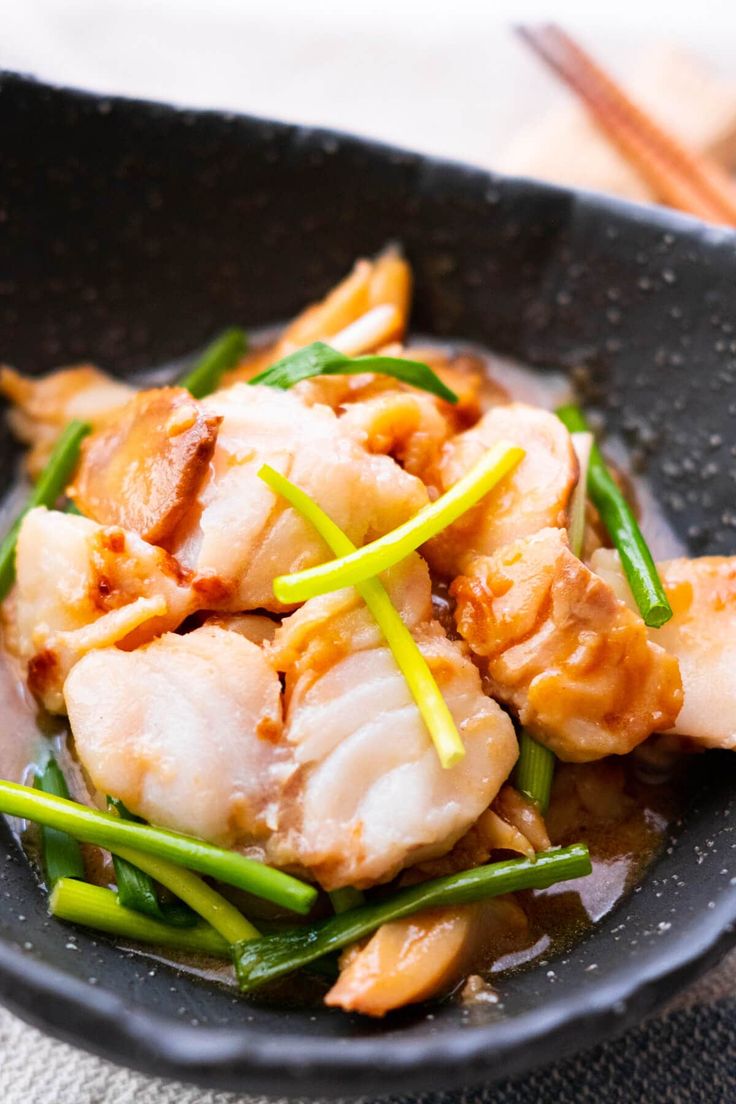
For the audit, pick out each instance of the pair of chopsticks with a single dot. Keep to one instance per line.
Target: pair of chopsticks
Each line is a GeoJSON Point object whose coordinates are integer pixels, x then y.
{"type": "Point", "coordinates": [679, 177]}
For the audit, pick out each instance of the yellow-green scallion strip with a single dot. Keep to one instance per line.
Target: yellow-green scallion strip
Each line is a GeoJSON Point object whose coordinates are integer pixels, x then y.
{"type": "Point", "coordinates": [370, 560]}
{"type": "Point", "coordinates": [411, 662]}
{"type": "Point", "coordinates": [219, 913]}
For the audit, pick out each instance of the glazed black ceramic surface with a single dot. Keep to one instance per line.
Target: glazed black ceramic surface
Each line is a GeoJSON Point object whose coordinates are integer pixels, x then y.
{"type": "Point", "coordinates": [129, 233]}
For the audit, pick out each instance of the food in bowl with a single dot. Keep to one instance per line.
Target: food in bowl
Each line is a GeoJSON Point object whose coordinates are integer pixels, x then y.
{"type": "Point", "coordinates": [354, 657]}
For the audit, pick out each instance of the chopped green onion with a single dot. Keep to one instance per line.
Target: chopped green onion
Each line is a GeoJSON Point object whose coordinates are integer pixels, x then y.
{"type": "Point", "coordinates": [582, 443]}
{"type": "Point", "coordinates": [272, 956]}
{"type": "Point", "coordinates": [409, 659]}
{"type": "Point", "coordinates": [48, 489]}
{"type": "Point", "coordinates": [95, 907]}
{"type": "Point", "coordinates": [219, 913]}
{"type": "Point", "coordinates": [319, 359]}
{"type": "Point", "coordinates": [346, 898]}
{"type": "Point", "coordinates": [617, 516]}
{"type": "Point", "coordinates": [61, 855]}
{"type": "Point", "coordinates": [137, 890]}
{"type": "Point", "coordinates": [107, 830]}
{"type": "Point", "coordinates": [219, 357]}
{"type": "Point", "coordinates": [380, 554]}
{"type": "Point", "coordinates": [535, 769]}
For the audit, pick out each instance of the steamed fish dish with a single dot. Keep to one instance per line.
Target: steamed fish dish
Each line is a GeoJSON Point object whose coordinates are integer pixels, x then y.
{"type": "Point", "coordinates": [349, 652]}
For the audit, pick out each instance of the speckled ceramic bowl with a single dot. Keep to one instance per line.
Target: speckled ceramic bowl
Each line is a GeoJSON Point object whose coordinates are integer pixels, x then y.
{"type": "Point", "coordinates": [129, 233]}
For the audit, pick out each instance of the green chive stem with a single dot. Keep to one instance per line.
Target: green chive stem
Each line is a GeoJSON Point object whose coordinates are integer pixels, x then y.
{"type": "Point", "coordinates": [319, 359]}
{"type": "Point", "coordinates": [219, 357]}
{"type": "Point", "coordinates": [219, 913]}
{"type": "Point", "coordinates": [47, 491]}
{"type": "Point", "coordinates": [95, 907]}
{"type": "Point", "coordinates": [617, 516]}
{"type": "Point", "coordinates": [109, 831]}
{"type": "Point", "coordinates": [535, 770]}
{"type": "Point", "coordinates": [273, 956]}
{"type": "Point", "coordinates": [61, 855]}
{"type": "Point", "coordinates": [347, 898]}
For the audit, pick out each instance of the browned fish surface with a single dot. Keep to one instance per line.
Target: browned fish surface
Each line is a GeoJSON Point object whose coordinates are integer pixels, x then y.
{"type": "Point", "coordinates": [570, 658]}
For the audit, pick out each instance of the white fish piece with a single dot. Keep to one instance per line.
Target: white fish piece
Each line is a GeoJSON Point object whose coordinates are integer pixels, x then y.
{"type": "Point", "coordinates": [80, 586]}
{"type": "Point", "coordinates": [186, 732]}
{"type": "Point", "coordinates": [534, 496]}
{"type": "Point", "coordinates": [373, 796]}
{"type": "Point", "coordinates": [240, 535]}
{"type": "Point", "coordinates": [43, 407]}
{"type": "Point", "coordinates": [701, 634]}
{"type": "Point", "coordinates": [348, 789]}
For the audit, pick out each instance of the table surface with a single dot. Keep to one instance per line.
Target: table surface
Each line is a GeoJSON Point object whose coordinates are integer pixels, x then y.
{"type": "Point", "coordinates": [450, 80]}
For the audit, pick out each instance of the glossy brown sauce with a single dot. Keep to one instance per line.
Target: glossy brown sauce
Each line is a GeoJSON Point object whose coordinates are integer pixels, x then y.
{"type": "Point", "coordinates": [620, 808]}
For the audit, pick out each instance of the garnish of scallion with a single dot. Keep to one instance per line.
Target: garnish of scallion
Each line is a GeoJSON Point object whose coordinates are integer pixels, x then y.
{"type": "Point", "coordinates": [412, 664]}
{"type": "Point", "coordinates": [319, 359]}
{"type": "Point", "coordinates": [95, 907]}
{"type": "Point", "coordinates": [219, 913]}
{"type": "Point", "coordinates": [137, 890]}
{"type": "Point", "coordinates": [618, 518]}
{"type": "Point", "coordinates": [272, 956]}
{"type": "Point", "coordinates": [60, 853]}
{"type": "Point", "coordinates": [342, 900]}
{"type": "Point", "coordinates": [109, 831]}
{"type": "Point", "coordinates": [370, 560]}
{"type": "Point", "coordinates": [534, 770]}
{"type": "Point", "coordinates": [47, 491]}
{"type": "Point", "coordinates": [219, 357]}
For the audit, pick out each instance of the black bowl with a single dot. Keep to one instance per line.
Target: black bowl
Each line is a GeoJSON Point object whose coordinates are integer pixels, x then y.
{"type": "Point", "coordinates": [129, 233]}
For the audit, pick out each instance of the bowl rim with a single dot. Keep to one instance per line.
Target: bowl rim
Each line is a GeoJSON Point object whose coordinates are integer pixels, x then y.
{"type": "Point", "coordinates": [237, 1058]}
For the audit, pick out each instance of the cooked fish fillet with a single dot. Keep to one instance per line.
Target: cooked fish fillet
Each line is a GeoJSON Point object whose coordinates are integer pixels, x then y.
{"type": "Point", "coordinates": [533, 496]}
{"type": "Point", "coordinates": [240, 535]}
{"type": "Point", "coordinates": [186, 732]}
{"type": "Point", "coordinates": [349, 788]}
{"type": "Point", "coordinates": [43, 407]}
{"type": "Point", "coordinates": [373, 796]}
{"type": "Point", "coordinates": [81, 586]}
{"type": "Point", "coordinates": [573, 661]}
{"type": "Point", "coordinates": [701, 635]}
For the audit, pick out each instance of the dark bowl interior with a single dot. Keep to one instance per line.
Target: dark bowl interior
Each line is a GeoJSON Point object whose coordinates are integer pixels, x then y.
{"type": "Point", "coordinates": [129, 233]}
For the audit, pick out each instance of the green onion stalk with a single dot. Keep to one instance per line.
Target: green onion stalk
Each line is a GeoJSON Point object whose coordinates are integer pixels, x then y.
{"type": "Point", "coordinates": [535, 770]}
{"type": "Point", "coordinates": [60, 853]}
{"type": "Point", "coordinates": [95, 907]}
{"type": "Point", "coordinates": [137, 890]}
{"type": "Point", "coordinates": [618, 518]}
{"type": "Point", "coordinates": [319, 359]}
{"type": "Point", "coordinates": [49, 488]}
{"type": "Point", "coordinates": [219, 357]}
{"type": "Point", "coordinates": [263, 960]}
{"type": "Point", "coordinates": [109, 831]}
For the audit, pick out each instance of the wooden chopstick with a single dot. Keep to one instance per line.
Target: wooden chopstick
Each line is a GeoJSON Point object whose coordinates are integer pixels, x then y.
{"type": "Point", "coordinates": [680, 178]}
